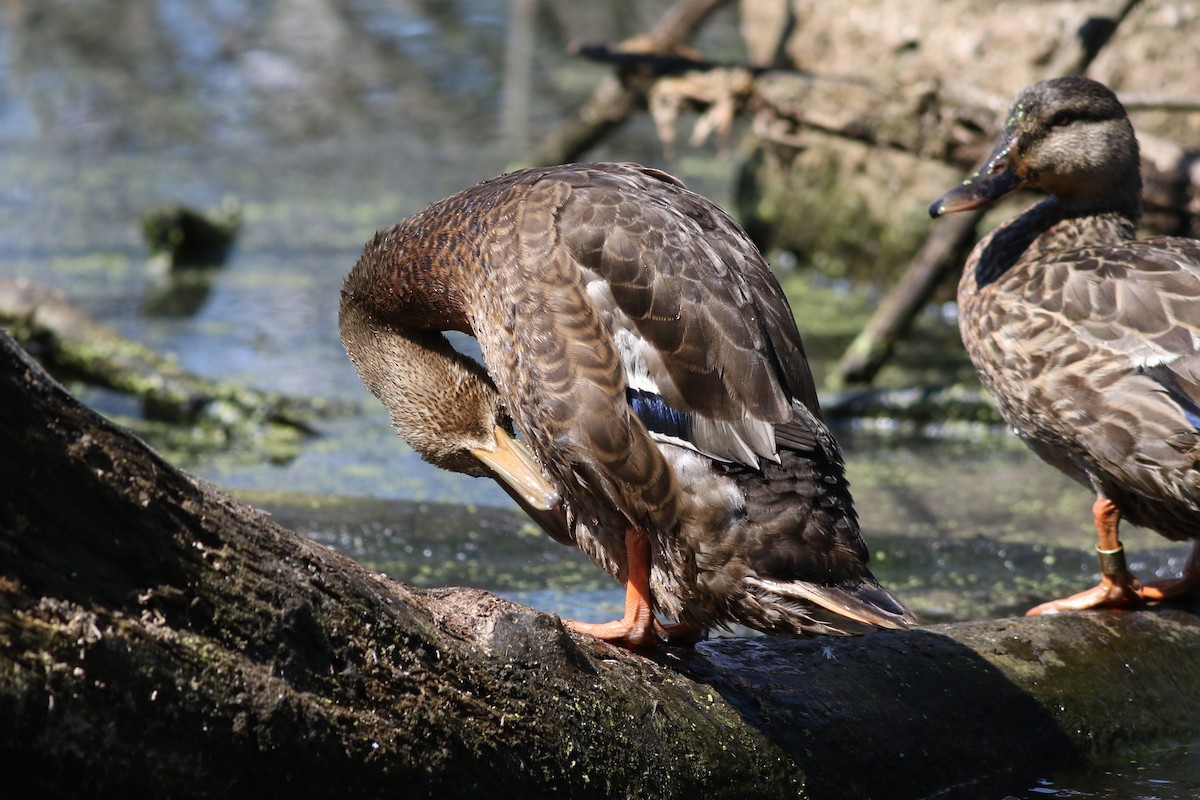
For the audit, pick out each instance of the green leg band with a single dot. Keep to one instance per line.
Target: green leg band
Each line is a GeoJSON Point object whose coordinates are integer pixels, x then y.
{"type": "Point", "coordinates": [1112, 562]}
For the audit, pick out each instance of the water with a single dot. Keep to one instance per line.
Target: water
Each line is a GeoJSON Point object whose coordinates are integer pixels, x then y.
{"type": "Point", "coordinates": [329, 120]}
{"type": "Point", "coordinates": [1157, 775]}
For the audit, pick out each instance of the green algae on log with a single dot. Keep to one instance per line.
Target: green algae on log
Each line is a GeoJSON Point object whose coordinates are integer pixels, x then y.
{"type": "Point", "coordinates": [158, 638]}
{"type": "Point", "coordinates": [74, 346]}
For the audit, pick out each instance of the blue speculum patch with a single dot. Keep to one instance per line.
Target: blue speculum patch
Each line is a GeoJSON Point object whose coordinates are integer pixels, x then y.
{"type": "Point", "coordinates": [659, 417]}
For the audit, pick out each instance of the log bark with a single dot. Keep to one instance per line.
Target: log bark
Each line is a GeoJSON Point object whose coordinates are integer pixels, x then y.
{"type": "Point", "coordinates": [158, 638]}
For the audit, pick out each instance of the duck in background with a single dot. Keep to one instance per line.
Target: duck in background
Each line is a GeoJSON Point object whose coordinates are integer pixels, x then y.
{"type": "Point", "coordinates": [642, 351]}
{"type": "Point", "coordinates": [1087, 338]}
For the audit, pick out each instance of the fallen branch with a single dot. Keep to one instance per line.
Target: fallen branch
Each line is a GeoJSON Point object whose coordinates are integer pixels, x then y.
{"type": "Point", "coordinates": [915, 406]}
{"type": "Point", "coordinates": [653, 64]}
{"type": "Point", "coordinates": [617, 99]}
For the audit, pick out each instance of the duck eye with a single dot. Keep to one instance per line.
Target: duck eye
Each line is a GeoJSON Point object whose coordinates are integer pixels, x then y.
{"type": "Point", "coordinates": [1061, 119]}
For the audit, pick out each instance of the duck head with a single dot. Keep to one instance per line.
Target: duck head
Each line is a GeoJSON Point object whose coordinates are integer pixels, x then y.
{"type": "Point", "coordinates": [447, 408]}
{"type": "Point", "coordinates": [1069, 137]}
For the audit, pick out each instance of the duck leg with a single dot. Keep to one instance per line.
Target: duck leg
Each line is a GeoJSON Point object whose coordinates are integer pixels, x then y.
{"type": "Point", "coordinates": [1187, 584]}
{"type": "Point", "coordinates": [638, 628]}
{"type": "Point", "coordinates": [1117, 585]}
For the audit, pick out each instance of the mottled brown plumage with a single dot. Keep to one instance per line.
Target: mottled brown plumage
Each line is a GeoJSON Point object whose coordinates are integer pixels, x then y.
{"type": "Point", "coordinates": [1088, 339]}
{"type": "Point", "coordinates": [647, 357]}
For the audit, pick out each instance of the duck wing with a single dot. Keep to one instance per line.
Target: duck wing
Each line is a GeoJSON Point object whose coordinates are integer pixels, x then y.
{"type": "Point", "coordinates": [554, 359]}
{"type": "Point", "coordinates": [712, 355]}
{"type": "Point", "coordinates": [613, 301]}
{"type": "Point", "coordinates": [1126, 381]}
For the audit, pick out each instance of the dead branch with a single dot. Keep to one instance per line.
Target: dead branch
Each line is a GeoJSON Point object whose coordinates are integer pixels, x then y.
{"type": "Point", "coordinates": [615, 99]}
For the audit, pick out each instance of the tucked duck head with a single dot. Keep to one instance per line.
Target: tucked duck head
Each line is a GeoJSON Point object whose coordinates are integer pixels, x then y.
{"type": "Point", "coordinates": [1069, 137]}
{"type": "Point", "coordinates": [445, 406]}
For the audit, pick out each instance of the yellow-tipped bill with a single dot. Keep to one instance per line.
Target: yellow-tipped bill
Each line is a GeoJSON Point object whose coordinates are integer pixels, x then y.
{"type": "Point", "coordinates": [518, 471]}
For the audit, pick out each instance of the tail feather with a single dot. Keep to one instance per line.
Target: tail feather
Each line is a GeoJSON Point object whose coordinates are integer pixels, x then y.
{"type": "Point", "coordinates": [868, 604]}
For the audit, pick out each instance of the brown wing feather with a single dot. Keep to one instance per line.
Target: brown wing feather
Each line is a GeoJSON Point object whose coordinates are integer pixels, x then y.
{"type": "Point", "coordinates": [720, 336]}
{"type": "Point", "coordinates": [566, 384]}
{"type": "Point", "coordinates": [1099, 347]}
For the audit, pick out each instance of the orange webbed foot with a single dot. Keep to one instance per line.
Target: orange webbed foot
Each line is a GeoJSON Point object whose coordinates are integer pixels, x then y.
{"type": "Point", "coordinates": [623, 632]}
{"type": "Point", "coordinates": [638, 628]}
{"type": "Point", "coordinates": [1117, 588]}
{"type": "Point", "coordinates": [1110, 593]}
{"type": "Point", "coordinates": [1187, 585]}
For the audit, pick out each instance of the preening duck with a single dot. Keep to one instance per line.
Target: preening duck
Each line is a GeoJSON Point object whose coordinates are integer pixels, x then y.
{"type": "Point", "coordinates": [644, 395]}
{"type": "Point", "coordinates": [1087, 338]}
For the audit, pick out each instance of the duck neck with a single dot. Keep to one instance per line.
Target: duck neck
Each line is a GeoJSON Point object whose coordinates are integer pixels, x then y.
{"type": "Point", "coordinates": [1053, 225]}
{"type": "Point", "coordinates": [440, 402]}
{"type": "Point", "coordinates": [408, 279]}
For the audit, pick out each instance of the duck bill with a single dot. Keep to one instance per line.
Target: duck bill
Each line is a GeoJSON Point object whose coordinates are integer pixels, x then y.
{"type": "Point", "coordinates": [519, 473]}
{"type": "Point", "coordinates": [516, 468]}
{"type": "Point", "coordinates": [998, 177]}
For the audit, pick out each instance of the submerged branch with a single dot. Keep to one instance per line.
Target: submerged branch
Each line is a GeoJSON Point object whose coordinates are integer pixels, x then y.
{"type": "Point", "coordinates": [75, 346]}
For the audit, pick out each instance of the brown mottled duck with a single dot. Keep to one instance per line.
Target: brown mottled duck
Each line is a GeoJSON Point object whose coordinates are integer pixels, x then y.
{"type": "Point", "coordinates": [1087, 338]}
{"type": "Point", "coordinates": [644, 355]}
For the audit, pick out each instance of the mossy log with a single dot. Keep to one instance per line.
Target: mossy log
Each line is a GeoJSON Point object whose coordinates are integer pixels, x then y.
{"type": "Point", "coordinates": [158, 639]}
{"type": "Point", "coordinates": [77, 347]}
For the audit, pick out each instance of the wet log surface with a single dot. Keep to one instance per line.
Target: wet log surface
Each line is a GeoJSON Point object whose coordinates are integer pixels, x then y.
{"type": "Point", "coordinates": [158, 638]}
